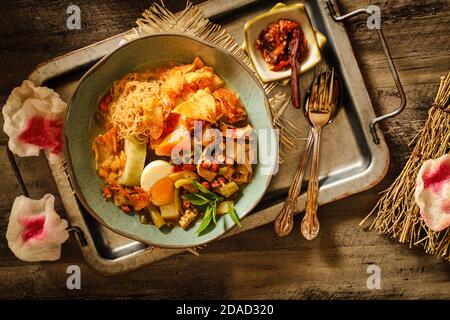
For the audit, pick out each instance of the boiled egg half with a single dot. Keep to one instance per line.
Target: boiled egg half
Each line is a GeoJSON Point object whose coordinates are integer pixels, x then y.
{"type": "Point", "coordinates": [153, 172]}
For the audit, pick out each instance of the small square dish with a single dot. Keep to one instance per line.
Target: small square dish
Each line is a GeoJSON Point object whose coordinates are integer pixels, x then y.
{"type": "Point", "coordinates": [297, 13]}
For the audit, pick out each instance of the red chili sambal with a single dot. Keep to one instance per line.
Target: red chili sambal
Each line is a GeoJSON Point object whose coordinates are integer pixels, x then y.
{"type": "Point", "coordinates": [273, 42]}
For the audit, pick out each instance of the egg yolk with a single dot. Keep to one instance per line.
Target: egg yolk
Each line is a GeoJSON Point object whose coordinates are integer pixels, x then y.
{"type": "Point", "coordinates": [161, 193]}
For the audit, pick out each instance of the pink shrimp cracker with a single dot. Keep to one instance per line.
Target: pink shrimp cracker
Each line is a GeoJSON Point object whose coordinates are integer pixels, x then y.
{"type": "Point", "coordinates": [35, 231]}
{"type": "Point", "coordinates": [34, 120]}
{"type": "Point", "coordinates": [432, 193]}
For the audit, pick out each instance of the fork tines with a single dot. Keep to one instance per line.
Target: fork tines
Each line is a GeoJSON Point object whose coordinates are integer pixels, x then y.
{"type": "Point", "coordinates": [322, 90]}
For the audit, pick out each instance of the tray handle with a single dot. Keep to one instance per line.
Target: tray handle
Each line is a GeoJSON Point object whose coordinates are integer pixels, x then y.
{"type": "Point", "coordinates": [335, 14]}
{"type": "Point", "coordinates": [23, 189]}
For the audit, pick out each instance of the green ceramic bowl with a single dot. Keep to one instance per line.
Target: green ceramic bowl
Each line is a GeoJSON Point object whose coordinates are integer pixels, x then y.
{"type": "Point", "coordinates": [80, 127]}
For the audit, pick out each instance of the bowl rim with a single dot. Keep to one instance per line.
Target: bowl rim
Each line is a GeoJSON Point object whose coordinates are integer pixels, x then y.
{"type": "Point", "coordinates": [277, 8]}
{"type": "Point", "coordinates": [74, 181]}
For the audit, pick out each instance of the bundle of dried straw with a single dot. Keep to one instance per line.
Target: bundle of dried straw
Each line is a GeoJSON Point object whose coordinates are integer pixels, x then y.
{"type": "Point", "coordinates": [398, 215]}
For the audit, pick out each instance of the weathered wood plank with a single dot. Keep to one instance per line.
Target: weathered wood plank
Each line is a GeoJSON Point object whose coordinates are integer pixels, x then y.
{"type": "Point", "coordinates": [255, 264]}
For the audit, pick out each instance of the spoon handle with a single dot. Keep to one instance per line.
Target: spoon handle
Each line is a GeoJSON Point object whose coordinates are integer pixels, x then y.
{"type": "Point", "coordinates": [310, 223]}
{"type": "Point", "coordinates": [284, 221]}
{"type": "Point", "coordinates": [294, 46]}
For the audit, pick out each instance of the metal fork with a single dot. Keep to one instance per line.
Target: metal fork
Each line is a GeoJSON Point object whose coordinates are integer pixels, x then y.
{"type": "Point", "coordinates": [319, 113]}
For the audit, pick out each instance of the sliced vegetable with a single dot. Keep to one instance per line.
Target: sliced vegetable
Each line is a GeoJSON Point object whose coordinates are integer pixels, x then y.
{"type": "Point", "coordinates": [206, 192]}
{"type": "Point", "coordinates": [228, 189]}
{"type": "Point", "coordinates": [179, 138]}
{"type": "Point", "coordinates": [243, 174]}
{"type": "Point", "coordinates": [186, 184]}
{"type": "Point", "coordinates": [222, 171]}
{"type": "Point", "coordinates": [214, 212]}
{"type": "Point", "coordinates": [182, 174]}
{"type": "Point", "coordinates": [134, 165]}
{"type": "Point", "coordinates": [196, 199]}
{"type": "Point", "coordinates": [182, 182]}
{"type": "Point", "coordinates": [233, 215]}
{"type": "Point", "coordinates": [206, 174]}
{"type": "Point", "coordinates": [206, 220]}
{"type": "Point", "coordinates": [222, 208]}
{"type": "Point", "coordinates": [156, 216]}
{"type": "Point", "coordinates": [169, 212]}
{"type": "Point", "coordinates": [177, 200]}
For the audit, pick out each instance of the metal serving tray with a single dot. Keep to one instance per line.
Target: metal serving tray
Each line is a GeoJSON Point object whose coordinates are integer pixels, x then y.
{"type": "Point", "coordinates": [350, 161]}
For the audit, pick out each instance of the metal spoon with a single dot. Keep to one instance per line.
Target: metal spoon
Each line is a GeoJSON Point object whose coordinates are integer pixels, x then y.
{"type": "Point", "coordinates": [284, 221]}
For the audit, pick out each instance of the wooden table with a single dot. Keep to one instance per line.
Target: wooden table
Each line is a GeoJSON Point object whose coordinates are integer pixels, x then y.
{"type": "Point", "coordinates": [255, 264]}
